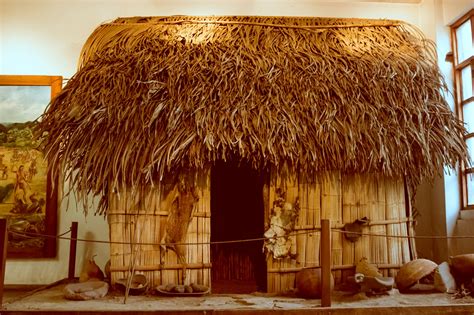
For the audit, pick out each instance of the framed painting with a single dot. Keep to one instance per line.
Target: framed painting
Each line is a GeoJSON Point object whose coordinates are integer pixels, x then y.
{"type": "Point", "coordinates": [28, 197]}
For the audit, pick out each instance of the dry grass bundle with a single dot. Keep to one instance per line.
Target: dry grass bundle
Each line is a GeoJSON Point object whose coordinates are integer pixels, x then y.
{"type": "Point", "coordinates": [155, 95]}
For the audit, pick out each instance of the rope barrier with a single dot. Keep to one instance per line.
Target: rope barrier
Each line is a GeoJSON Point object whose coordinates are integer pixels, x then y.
{"type": "Point", "coordinates": [406, 236]}
{"type": "Point", "coordinates": [36, 235]}
{"type": "Point", "coordinates": [61, 236]}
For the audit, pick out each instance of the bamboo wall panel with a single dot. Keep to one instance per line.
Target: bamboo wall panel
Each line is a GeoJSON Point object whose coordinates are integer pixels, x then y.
{"type": "Point", "coordinates": [140, 217]}
{"type": "Point", "coordinates": [378, 245]}
{"type": "Point", "coordinates": [342, 198]}
{"type": "Point", "coordinates": [361, 246]}
{"type": "Point", "coordinates": [349, 214]}
{"type": "Point", "coordinates": [331, 208]}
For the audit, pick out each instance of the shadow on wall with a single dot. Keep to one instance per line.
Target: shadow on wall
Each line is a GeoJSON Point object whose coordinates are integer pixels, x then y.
{"type": "Point", "coordinates": [90, 249]}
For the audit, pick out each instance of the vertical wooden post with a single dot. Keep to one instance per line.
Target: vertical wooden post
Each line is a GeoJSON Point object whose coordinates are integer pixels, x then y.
{"type": "Point", "coordinates": [72, 251]}
{"type": "Point", "coordinates": [325, 263]}
{"type": "Point", "coordinates": [3, 254]}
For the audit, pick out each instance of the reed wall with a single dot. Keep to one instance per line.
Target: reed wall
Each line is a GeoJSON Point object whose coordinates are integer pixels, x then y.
{"type": "Point", "coordinates": [143, 221]}
{"type": "Point", "coordinates": [339, 197]}
{"type": "Point", "coordinates": [343, 199]}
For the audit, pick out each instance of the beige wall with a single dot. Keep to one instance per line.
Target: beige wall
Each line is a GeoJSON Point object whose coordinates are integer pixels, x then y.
{"type": "Point", "coordinates": [454, 9]}
{"type": "Point", "coordinates": [451, 10]}
{"type": "Point", "coordinates": [45, 37]}
{"type": "Point", "coordinates": [1, 35]}
{"type": "Point", "coordinates": [438, 202]}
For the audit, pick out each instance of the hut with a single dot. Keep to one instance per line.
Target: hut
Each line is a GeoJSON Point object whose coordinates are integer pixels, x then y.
{"type": "Point", "coordinates": [198, 130]}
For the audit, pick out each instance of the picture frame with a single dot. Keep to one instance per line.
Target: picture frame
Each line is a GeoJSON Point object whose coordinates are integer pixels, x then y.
{"type": "Point", "coordinates": [28, 193]}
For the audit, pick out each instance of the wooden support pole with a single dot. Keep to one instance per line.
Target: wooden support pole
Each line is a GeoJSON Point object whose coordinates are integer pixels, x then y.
{"type": "Point", "coordinates": [325, 263]}
{"type": "Point", "coordinates": [3, 254]}
{"type": "Point", "coordinates": [72, 251]}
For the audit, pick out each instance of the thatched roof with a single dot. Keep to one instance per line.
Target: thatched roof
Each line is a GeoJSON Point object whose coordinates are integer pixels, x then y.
{"type": "Point", "coordinates": [153, 95]}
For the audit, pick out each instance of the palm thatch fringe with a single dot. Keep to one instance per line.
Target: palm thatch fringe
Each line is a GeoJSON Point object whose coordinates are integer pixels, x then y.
{"type": "Point", "coordinates": [154, 95]}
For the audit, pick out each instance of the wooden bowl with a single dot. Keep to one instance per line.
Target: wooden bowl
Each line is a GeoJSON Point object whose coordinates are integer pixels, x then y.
{"type": "Point", "coordinates": [411, 272]}
{"type": "Point", "coordinates": [138, 286]}
{"type": "Point", "coordinates": [162, 290]}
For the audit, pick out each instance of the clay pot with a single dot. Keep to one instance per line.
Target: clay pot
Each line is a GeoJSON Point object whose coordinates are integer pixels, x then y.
{"type": "Point", "coordinates": [308, 283]}
{"type": "Point", "coordinates": [463, 265]}
{"type": "Point", "coordinates": [413, 271]}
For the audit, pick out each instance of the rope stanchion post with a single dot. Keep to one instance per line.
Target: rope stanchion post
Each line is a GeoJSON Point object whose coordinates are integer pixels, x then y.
{"type": "Point", "coordinates": [3, 255]}
{"type": "Point", "coordinates": [325, 263]}
{"type": "Point", "coordinates": [72, 251]}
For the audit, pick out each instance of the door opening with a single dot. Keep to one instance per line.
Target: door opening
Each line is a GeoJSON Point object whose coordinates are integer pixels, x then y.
{"type": "Point", "coordinates": [237, 214]}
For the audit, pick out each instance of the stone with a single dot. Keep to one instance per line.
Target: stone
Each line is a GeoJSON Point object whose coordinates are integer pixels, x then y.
{"type": "Point", "coordinates": [443, 279]}
{"type": "Point", "coordinates": [89, 290]}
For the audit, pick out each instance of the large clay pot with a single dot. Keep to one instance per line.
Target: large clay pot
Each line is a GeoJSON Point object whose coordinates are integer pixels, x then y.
{"type": "Point", "coordinates": [411, 272]}
{"type": "Point", "coordinates": [308, 283]}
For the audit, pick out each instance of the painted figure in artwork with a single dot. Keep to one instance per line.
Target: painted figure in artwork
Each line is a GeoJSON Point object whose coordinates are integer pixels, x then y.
{"type": "Point", "coordinates": [21, 187]}
{"type": "Point", "coordinates": [3, 168]}
{"type": "Point", "coordinates": [32, 170]}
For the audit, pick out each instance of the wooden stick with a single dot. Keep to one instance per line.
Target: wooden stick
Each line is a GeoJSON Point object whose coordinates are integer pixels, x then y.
{"type": "Point", "coordinates": [159, 213]}
{"type": "Point", "coordinates": [340, 226]}
{"type": "Point", "coordinates": [163, 267]}
{"type": "Point", "coordinates": [133, 257]}
{"type": "Point", "coordinates": [411, 229]}
{"type": "Point", "coordinates": [72, 251]}
{"type": "Point", "coordinates": [336, 267]}
{"type": "Point", "coordinates": [3, 254]}
{"type": "Point", "coordinates": [38, 288]}
{"type": "Point", "coordinates": [325, 263]}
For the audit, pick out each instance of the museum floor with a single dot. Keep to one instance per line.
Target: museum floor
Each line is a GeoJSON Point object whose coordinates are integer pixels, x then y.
{"type": "Point", "coordinates": [51, 301]}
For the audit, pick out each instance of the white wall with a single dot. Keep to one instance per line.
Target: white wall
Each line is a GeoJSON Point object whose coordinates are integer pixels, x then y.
{"type": "Point", "coordinates": [439, 202]}
{"type": "Point", "coordinates": [45, 37]}
{"type": "Point", "coordinates": [454, 9]}
{"type": "Point", "coordinates": [451, 10]}
{"type": "Point", "coordinates": [1, 35]}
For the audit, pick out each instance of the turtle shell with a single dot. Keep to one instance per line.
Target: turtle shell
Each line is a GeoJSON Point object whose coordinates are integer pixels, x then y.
{"type": "Point", "coordinates": [308, 283]}
{"type": "Point", "coordinates": [463, 265]}
{"type": "Point", "coordinates": [411, 272]}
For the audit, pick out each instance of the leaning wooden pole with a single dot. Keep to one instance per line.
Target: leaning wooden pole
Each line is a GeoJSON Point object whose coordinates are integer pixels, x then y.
{"type": "Point", "coordinates": [72, 251]}
{"type": "Point", "coordinates": [325, 263]}
{"type": "Point", "coordinates": [3, 254]}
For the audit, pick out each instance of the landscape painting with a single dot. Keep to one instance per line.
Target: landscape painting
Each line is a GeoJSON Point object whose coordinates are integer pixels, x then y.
{"type": "Point", "coordinates": [26, 199]}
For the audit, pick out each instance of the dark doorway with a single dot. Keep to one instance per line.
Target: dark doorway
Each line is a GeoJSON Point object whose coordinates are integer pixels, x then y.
{"type": "Point", "coordinates": [237, 214]}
